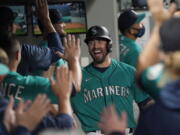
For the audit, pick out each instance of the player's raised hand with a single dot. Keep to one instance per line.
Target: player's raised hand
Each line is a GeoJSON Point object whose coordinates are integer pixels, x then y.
{"type": "Point", "coordinates": [9, 116]}
{"type": "Point", "coordinates": [30, 117]}
{"type": "Point", "coordinates": [42, 8]}
{"type": "Point", "coordinates": [72, 54]}
{"type": "Point", "coordinates": [43, 15]}
{"type": "Point", "coordinates": [62, 88]}
{"type": "Point", "coordinates": [63, 85]}
{"type": "Point", "coordinates": [71, 48]}
{"type": "Point", "coordinates": [110, 121]}
{"type": "Point", "coordinates": [159, 13]}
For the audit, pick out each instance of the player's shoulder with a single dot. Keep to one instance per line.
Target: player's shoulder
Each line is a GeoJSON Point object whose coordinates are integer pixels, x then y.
{"type": "Point", "coordinates": [123, 65]}
{"type": "Point", "coordinates": [84, 69]}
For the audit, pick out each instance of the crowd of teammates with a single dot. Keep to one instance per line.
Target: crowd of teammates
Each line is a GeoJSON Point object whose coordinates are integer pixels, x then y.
{"type": "Point", "coordinates": [32, 118]}
{"type": "Point", "coordinates": [87, 91]}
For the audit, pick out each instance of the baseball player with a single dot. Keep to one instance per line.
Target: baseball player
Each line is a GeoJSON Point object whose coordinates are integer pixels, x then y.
{"type": "Point", "coordinates": [34, 57]}
{"type": "Point", "coordinates": [34, 119]}
{"type": "Point", "coordinates": [105, 81]}
{"type": "Point", "coordinates": [129, 23]}
{"type": "Point", "coordinates": [27, 87]}
{"type": "Point", "coordinates": [153, 78]}
{"type": "Point", "coordinates": [56, 19]}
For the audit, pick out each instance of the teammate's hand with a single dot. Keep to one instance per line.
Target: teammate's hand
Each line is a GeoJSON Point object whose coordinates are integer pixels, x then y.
{"type": "Point", "coordinates": [111, 122]}
{"type": "Point", "coordinates": [42, 9]}
{"type": "Point", "coordinates": [62, 88]}
{"type": "Point", "coordinates": [63, 85]}
{"type": "Point", "coordinates": [9, 116]}
{"type": "Point", "coordinates": [43, 15]}
{"type": "Point", "coordinates": [71, 48]}
{"type": "Point", "coordinates": [159, 13]}
{"type": "Point", "coordinates": [30, 117]}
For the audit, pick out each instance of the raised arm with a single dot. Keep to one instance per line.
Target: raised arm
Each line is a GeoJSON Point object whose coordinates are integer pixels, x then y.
{"type": "Point", "coordinates": [53, 38]}
{"type": "Point", "coordinates": [62, 89]}
{"type": "Point", "coordinates": [71, 55]}
{"type": "Point", "coordinates": [38, 58]}
{"type": "Point", "coordinates": [150, 54]}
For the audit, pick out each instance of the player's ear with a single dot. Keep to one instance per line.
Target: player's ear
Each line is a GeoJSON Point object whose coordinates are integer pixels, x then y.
{"type": "Point", "coordinates": [18, 55]}
{"type": "Point", "coordinates": [131, 31]}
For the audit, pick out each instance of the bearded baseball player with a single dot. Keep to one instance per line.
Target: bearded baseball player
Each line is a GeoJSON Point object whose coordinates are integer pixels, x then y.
{"type": "Point", "coordinates": [105, 81]}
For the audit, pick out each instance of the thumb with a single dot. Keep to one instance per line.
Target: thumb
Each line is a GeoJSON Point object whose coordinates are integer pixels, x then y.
{"type": "Point", "coordinates": [61, 55]}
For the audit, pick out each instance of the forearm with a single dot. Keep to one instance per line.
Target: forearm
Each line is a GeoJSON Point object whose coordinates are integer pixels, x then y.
{"type": "Point", "coordinates": [47, 24]}
{"type": "Point", "coordinates": [75, 68]}
{"type": "Point", "coordinates": [150, 54]}
{"type": "Point", "coordinates": [64, 106]}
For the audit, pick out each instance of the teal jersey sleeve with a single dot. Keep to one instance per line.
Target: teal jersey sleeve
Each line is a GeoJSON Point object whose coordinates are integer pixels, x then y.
{"type": "Point", "coordinates": [131, 58]}
{"type": "Point", "coordinates": [60, 63]}
{"type": "Point", "coordinates": [138, 94]}
{"type": "Point", "coordinates": [151, 80]}
{"type": "Point", "coordinates": [27, 87]}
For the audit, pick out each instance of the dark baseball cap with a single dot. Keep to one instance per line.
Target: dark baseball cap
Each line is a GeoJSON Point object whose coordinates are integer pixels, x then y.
{"type": "Point", "coordinates": [6, 15]}
{"type": "Point", "coordinates": [128, 18]}
{"type": "Point", "coordinates": [170, 35]}
{"type": "Point", "coordinates": [55, 16]}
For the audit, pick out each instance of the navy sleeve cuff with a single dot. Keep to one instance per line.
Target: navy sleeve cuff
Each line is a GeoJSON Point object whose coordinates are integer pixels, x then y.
{"type": "Point", "coordinates": [116, 133]}
{"type": "Point", "coordinates": [3, 129]}
{"type": "Point", "coordinates": [54, 41]}
{"type": "Point", "coordinates": [20, 130]}
{"type": "Point", "coordinates": [66, 121]}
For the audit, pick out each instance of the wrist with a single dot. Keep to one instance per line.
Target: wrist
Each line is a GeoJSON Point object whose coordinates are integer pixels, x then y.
{"type": "Point", "coordinates": [65, 107]}
{"type": "Point", "coordinates": [63, 99]}
{"type": "Point", "coordinates": [73, 60]}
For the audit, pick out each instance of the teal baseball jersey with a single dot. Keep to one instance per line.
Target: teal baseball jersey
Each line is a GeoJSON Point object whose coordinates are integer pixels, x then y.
{"type": "Point", "coordinates": [114, 86]}
{"type": "Point", "coordinates": [153, 79]}
{"type": "Point", "coordinates": [129, 50]}
{"type": "Point", "coordinates": [26, 87]}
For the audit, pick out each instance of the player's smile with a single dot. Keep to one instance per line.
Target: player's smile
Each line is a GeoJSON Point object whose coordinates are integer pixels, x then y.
{"type": "Point", "coordinates": [97, 52]}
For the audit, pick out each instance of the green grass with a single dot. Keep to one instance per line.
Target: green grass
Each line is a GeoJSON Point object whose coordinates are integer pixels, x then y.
{"type": "Point", "coordinates": [20, 32]}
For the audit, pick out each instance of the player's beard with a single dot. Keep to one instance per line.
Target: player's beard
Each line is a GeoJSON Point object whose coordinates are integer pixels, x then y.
{"type": "Point", "coordinates": [99, 58]}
